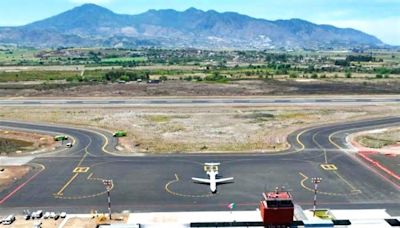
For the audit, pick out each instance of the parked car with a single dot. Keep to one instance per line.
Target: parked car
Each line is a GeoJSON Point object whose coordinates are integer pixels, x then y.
{"type": "Point", "coordinates": [46, 215]}
{"type": "Point", "coordinates": [52, 215]}
{"type": "Point", "coordinates": [8, 220]}
{"type": "Point", "coordinates": [37, 214]}
{"type": "Point", "coordinates": [63, 214]}
{"type": "Point", "coordinates": [27, 215]}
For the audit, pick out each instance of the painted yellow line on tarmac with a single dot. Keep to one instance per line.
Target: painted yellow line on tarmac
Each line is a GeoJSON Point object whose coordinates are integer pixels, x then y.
{"type": "Point", "coordinates": [299, 141]}
{"type": "Point", "coordinates": [345, 181]}
{"type": "Point", "coordinates": [67, 184]}
{"type": "Point", "coordinates": [305, 178]}
{"type": "Point", "coordinates": [180, 194]}
{"type": "Point", "coordinates": [332, 142]}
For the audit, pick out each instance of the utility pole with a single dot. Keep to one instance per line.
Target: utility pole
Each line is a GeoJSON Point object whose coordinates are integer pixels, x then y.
{"type": "Point", "coordinates": [109, 185]}
{"type": "Point", "coordinates": [316, 181]}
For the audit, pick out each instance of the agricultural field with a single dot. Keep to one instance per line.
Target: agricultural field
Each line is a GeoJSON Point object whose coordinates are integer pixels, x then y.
{"type": "Point", "coordinates": [30, 72]}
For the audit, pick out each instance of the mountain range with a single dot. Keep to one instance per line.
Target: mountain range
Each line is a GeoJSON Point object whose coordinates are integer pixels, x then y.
{"type": "Point", "coordinates": [91, 25]}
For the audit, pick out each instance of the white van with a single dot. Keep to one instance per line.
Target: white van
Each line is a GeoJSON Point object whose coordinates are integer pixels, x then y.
{"type": "Point", "coordinates": [9, 220]}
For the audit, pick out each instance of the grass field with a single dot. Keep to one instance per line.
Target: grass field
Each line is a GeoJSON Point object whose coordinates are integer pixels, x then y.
{"type": "Point", "coordinates": [15, 55]}
{"type": "Point", "coordinates": [41, 75]}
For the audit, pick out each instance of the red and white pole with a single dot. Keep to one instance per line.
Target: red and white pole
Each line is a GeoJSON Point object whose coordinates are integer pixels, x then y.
{"type": "Point", "coordinates": [316, 181]}
{"type": "Point", "coordinates": [109, 185]}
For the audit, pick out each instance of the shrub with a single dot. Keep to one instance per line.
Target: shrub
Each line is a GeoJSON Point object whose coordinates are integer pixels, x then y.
{"type": "Point", "coordinates": [293, 75]}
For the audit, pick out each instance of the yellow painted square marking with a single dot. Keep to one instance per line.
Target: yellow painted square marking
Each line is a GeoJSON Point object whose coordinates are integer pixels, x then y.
{"type": "Point", "coordinates": [81, 170]}
{"type": "Point", "coordinates": [329, 167]}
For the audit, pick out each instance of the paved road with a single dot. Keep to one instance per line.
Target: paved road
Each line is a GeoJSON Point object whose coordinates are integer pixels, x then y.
{"type": "Point", "coordinates": [72, 180]}
{"type": "Point", "coordinates": [198, 101]}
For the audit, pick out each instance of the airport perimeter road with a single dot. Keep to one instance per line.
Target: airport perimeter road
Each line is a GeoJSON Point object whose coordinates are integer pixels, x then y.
{"type": "Point", "coordinates": [72, 180]}
{"type": "Point", "coordinates": [350, 100]}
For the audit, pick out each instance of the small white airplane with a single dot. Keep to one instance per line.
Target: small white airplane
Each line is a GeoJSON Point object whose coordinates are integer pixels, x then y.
{"type": "Point", "coordinates": [212, 171]}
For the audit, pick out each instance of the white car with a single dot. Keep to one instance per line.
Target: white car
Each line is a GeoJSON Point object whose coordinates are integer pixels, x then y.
{"type": "Point", "coordinates": [69, 145]}
{"type": "Point", "coordinates": [63, 214]}
{"type": "Point", "coordinates": [52, 215]}
{"type": "Point", "coordinates": [46, 215]}
{"type": "Point", "coordinates": [39, 214]}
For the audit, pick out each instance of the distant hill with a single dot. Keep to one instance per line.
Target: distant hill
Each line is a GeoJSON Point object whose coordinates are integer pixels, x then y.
{"type": "Point", "coordinates": [92, 25]}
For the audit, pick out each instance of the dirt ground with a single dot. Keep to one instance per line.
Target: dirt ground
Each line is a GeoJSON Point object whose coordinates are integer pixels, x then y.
{"type": "Point", "coordinates": [11, 174]}
{"type": "Point", "coordinates": [92, 222]}
{"type": "Point", "coordinates": [184, 88]}
{"type": "Point", "coordinates": [200, 129]}
{"type": "Point", "coordinates": [36, 141]}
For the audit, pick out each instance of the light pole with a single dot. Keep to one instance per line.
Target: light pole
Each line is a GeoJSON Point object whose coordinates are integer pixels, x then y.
{"type": "Point", "coordinates": [316, 181]}
{"type": "Point", "coordinates": [109, 185]}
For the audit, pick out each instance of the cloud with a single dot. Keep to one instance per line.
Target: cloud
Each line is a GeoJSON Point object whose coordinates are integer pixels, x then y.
{"type": "Point", "coordinates": [386, 29]}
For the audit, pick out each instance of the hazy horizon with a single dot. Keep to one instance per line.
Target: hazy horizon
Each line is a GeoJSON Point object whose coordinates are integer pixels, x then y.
{"type": "Point", "coordinates": [376, 17]}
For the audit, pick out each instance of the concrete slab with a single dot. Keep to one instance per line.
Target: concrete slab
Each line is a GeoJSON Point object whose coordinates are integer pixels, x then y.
{"type": "Point", "coordinates": [168, 219]}
{"type": "Point", "coordinates": [15, 161]}
{"type": "Point", "coordinates": [363, 214]}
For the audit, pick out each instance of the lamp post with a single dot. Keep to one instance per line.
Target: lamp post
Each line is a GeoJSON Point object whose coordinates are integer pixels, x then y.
{"type": "Point", "coordinates": [108, 184]}
{"type": "Point", "coordinates": [316, 181]}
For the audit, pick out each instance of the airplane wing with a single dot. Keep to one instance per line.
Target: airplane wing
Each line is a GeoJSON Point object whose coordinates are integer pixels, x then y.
{"type": "Point", "coordinates": [224, 180]}
{"type": "Point", "coordinates": [201, 180]}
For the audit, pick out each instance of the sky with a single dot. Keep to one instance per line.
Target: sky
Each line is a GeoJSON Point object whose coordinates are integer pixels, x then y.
{"type": "Point", "coordinates": [377, 17]}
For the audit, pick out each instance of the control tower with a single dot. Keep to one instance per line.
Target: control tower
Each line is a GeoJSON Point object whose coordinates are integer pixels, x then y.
{"type": "Point", "coordinates": [277, 209]}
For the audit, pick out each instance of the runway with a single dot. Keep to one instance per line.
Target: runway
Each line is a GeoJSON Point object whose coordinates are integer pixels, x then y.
{"type": "Point", "coordinates": [199, 101]}
{"type": "Point", "coordinates": [72, 179]}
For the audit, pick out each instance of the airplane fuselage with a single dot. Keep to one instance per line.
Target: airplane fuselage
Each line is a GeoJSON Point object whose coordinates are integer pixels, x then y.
{"type": "Point", "coordinates": [213, 182]}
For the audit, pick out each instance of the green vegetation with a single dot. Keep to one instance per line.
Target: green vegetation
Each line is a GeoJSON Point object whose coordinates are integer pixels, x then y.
{"type": "Point", "coordinates": [373, 142]}
{"type": "Point", "coordinates": [126, 76]}
{"type": "Point", "coordinates": [194, 65]}
{"type": "Point", "coordinates": [36, 75]}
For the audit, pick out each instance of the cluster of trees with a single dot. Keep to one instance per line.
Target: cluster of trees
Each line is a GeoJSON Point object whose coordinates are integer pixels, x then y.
{"type": "Point", "coordinates": [360, 58]}
{"type": "Point", "coordinates": [126, 75]}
